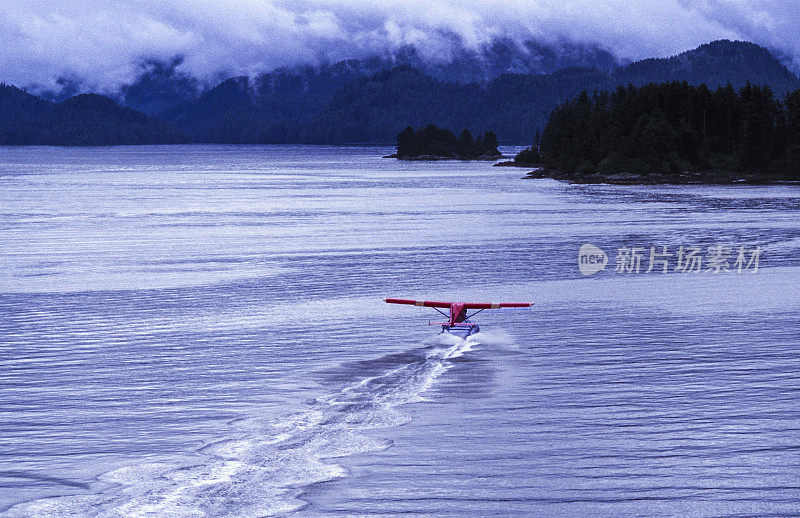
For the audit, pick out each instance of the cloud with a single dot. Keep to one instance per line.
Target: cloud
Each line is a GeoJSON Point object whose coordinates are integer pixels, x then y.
{"type": "Point", "coordinates": [101, 42]}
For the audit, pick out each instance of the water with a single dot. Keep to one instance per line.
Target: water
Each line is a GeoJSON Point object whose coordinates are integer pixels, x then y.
{"type": "Point", "coordinates": [191, 331]}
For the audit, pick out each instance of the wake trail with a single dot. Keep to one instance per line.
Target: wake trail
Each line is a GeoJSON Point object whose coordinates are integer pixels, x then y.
{"type": "Point", "coordinates": [264, 465]}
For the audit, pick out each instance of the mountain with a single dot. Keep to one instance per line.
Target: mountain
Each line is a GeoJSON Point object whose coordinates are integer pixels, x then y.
{"type": "Point", "coordinates": [713, 64]}
{"type": "Point", "coordinates": [86, 119]}
{"type": "Point", "coordinates": [511, 105]}
{"type": "Point", "coordinates": [278, 107]}
{"type": "Point", "coordinates": [340, 104]}
{"type": "Point", "coordinates": [159, 87]}
{"type": "Point", "coordinates": [504, 56]}
{"type": "Point", "coordinates": [370, 101]}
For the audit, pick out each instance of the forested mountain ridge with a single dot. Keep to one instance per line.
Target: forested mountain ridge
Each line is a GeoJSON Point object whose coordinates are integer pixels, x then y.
{"type": "Point", "coordinates": [161, 86]}
{"type": "Point", "coordinates": [85, 119]}
{"type": "Point", "coordinates": [363, 101]}
{"type": "Point", "coordinates": [713, 64]}
{"type": "Point", "coordinates": [343, 108]}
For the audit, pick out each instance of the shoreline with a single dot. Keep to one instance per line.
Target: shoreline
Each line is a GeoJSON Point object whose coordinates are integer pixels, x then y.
{"type": "Point", "coordinates": [514, 163]}
{"type": "Point", "coordinates": [684, 178]}
{"type": "Point", "coordinates": [434, 158]}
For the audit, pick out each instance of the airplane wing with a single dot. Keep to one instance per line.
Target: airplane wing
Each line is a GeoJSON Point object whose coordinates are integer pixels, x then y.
{"type": "Point", "coordinates": [477, 305]}
{"type": "Point", "coordinates": [425, 303]}
{"type": "Point", "coordinates": [468, 305]}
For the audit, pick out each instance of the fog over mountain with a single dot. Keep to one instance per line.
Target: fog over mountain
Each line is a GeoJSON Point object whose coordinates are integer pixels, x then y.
{"type": "Point", "coordinates": [359, 101]}
{"type": "Point", "coordinates": [102, 45]}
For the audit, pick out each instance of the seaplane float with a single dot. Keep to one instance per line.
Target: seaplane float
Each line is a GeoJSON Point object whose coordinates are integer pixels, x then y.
{"type": "Point", "coordinates": [458, 322]}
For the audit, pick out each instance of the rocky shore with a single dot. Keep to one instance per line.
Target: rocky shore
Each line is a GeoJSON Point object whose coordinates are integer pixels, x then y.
{"type": "Point", "coordinates": [514, 163]}
{"type": "Point", "coordinates": [686, 177]}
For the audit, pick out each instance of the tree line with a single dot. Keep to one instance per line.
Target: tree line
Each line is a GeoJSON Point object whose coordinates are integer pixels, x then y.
{"type": "Point", "coordinates": [431, 141]}
{"type": "Point", "coordinates": [674, 127]}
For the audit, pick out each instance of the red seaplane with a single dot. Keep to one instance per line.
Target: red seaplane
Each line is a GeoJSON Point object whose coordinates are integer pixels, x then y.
{"type": "Point", "coordinates": [458, 322]}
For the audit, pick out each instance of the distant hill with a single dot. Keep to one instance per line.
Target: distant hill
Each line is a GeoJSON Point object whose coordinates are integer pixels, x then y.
{"type": "Point", "coordinates": [713, 64]}
{"type": "Point", "coordinates": [82, 120]}
{"type": "Point", "coordinates": [370, 101]}
{"type": "Point", "coordinates": [161, 86]}
{"type": "Point", "coordinates": [503, 56]}
{"type": "Point", "coordinates": [278, 107]}
{"type": "Point", "coordinates": [341, 105]}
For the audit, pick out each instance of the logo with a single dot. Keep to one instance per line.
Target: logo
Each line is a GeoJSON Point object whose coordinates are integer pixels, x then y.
{"type": "Point", "coordinates": [696, 259]}
{"type": "Point", "coordinates": [591, 259]}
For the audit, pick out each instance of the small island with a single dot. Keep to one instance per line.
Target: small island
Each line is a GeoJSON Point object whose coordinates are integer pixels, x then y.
{"type": "Point", "coordinates": [672, 133]}
{"type": "Point", "coordinates": [433, 143]}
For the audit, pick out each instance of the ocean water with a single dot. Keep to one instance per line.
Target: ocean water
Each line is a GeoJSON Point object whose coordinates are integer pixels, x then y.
{"type": "Point", "coordinates": [199, 331]}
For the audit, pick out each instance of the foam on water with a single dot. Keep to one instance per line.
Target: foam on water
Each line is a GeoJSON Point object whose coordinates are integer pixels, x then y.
{"type": "Point", "coordinates": [263, 465]}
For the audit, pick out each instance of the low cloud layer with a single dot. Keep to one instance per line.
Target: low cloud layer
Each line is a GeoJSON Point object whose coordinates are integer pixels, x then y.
{"type": "Point", "coordinates": [100, 42]}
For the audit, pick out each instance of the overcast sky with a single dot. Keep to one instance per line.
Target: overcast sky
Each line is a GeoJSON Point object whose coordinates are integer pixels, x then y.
{"type": "Point", "coordinates": [100, 41]}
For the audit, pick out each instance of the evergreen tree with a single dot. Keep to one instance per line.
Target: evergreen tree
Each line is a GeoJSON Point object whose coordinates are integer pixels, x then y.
{"type": "Point", "coordinates": [435, 142]}
{"type": "Point", "coordinates": [531, 155]}
{"type": "Point", "coordinates": [675, 127]}
{"type": "Point", "coordinates": [405, 142]}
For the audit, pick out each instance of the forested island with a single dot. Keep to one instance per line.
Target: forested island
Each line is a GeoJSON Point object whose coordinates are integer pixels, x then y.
{"type": "Point", "coordinates": [673, 133]}
{"type": "Point", "coordinates": [433, 143]}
